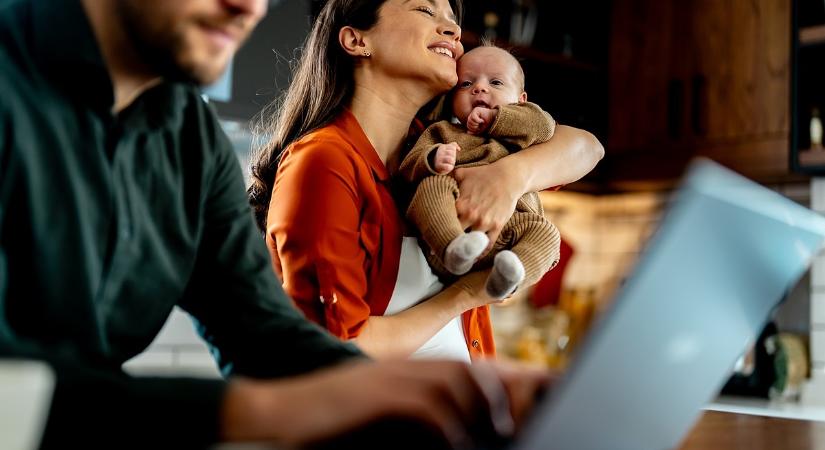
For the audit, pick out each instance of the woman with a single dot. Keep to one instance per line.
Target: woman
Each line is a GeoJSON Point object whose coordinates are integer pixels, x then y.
{"type": "Point", "coordinates": [334, 231]}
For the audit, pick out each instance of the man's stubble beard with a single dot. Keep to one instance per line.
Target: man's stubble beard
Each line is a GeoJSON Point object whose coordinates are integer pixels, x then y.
{"type": "Point", "coordinates": [161, 46]}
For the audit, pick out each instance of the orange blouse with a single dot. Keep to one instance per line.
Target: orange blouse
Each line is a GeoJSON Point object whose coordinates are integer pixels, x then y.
{"type": "Point", "coordinates": [334, 233]}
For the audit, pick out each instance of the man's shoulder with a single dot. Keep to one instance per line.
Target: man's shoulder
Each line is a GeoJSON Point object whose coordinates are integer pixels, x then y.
{"type": "Point", "coordinates": [15, 39]}
{"type": "Point", "coordinates": [19, 76]}
{"type": "Point", "coordinates": [197, 115]}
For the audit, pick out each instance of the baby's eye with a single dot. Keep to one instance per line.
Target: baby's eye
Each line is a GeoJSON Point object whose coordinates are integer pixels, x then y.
{"type": "Point", "coordinates": [426, 10]}
{"type": "Point", "coordinates": [465, 84]}
{"type": "Point", "coordinates": [497, 83]}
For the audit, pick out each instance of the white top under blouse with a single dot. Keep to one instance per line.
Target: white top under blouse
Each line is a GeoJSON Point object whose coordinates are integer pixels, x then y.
{"type": "Point", "coordinates": [416, 283]}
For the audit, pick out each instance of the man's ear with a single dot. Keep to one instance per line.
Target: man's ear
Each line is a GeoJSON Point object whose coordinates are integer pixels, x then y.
{"type": "Point", "coordinates": [352, 41]}
{"type": "Point", "coordinates": [522, 97]}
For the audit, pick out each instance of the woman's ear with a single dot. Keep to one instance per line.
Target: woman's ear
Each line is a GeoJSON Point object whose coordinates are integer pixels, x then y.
{"type": "Point", "coordinates": [352, 41]}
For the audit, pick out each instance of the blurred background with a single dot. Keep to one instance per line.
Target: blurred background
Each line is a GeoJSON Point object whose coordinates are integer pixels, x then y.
{"type": "Point", "coordinates": [658, 82]}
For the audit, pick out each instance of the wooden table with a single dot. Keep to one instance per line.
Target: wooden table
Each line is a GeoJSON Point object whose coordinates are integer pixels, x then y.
{"type": "Point", "coordinates": [720, 430]}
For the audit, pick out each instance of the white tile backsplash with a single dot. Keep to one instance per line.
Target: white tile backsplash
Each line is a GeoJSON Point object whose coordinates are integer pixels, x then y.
{"type": "Point", "coordinates": [818, 346]}
{"type": "Point", "coordinates": [152, 358]}
{"type": "Point", "coordinates": [178, 330]}
{"type": "Point", "coordinates": [818, 308]}
{"type": "Point", "coordinates": [608, 232]}
{"type": "Point", "coordinates": [818, 272]}
{"type": "Point", "coordinates": [177, 350]}
{"type": "Point", "coordinates": [818, 194]}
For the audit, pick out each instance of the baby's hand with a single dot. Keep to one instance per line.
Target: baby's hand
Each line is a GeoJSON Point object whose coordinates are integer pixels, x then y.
{"type": "Point", "coordinates": [444, 162]}
{"type": "Point", "coordinates": [480, 119]}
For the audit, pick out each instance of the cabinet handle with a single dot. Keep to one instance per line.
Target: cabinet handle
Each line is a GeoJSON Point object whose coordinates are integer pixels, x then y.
{"type": "Point", "coordinates": [698, 95]}
{"type": "Point", "coordinates": [675, 106]}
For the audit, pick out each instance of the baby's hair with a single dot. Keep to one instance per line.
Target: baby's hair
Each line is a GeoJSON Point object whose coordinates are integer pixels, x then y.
{"type": "Point", "coordinates": [487, 42]}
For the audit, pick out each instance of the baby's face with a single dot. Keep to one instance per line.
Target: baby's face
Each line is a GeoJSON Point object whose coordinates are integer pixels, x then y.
{"type": "Point", "coordinates": [489, 77]}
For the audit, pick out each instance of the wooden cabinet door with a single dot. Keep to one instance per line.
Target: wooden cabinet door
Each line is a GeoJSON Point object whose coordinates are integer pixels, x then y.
{"type": "Point", "coordinates": [740, 82]}
{"type": "Point", "coordinates": [701, 77]}
{"type": "Point", "coordinates": [639, 73]}
{"type": "Point", "coordinates": [740, 85]}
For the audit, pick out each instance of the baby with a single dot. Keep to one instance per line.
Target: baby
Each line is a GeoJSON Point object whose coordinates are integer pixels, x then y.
{"type": "Point", "coordinates": [489, 100]}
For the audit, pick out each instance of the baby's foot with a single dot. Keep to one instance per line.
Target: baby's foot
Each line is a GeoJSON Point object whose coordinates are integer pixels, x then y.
{"type": "Point", "coordinates": [507, 274]}
{"type": "Point", "coordinates": [463, 252]}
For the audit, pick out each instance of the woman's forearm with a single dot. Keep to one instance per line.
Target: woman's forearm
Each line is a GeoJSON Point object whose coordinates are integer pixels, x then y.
{"type": "Point", "coordinates": [571, 154]}
{"type": "Point", "coordinates": [402, 334]}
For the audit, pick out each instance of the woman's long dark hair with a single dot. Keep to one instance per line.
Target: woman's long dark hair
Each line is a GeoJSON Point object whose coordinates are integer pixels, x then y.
{"type": "Point", "coordinates": [321, 86]}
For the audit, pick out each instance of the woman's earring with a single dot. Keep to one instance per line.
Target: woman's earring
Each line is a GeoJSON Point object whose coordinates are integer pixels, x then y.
{"type": "Point", "coordinates": [367, 54]}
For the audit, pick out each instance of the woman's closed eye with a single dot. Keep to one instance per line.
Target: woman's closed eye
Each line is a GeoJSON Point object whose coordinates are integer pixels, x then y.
{"type": "Point", "coordinates": [426, 10]}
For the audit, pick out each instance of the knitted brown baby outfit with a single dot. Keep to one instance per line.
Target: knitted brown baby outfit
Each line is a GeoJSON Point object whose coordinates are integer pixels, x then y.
{"type": "Point", "coordinates": [528, 233]}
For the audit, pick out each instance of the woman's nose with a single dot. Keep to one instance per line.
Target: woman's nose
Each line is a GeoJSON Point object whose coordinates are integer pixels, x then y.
{"type": "Point", "coordinates": [450, 29]}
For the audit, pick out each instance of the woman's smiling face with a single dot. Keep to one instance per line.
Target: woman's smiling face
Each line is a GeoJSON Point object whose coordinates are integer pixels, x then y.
{"type": "Point", "coordinates": [417, 39]}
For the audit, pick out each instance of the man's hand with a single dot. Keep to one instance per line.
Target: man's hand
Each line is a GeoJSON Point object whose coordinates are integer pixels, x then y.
{"type": "Point", "coordinates": [451, 403]}
{"type": "Point", "coordinates": [487, 197]}
{"type": "Point", "coordinates": [480, 119]}
{"type": "Point", "coordinates": [445, 156]}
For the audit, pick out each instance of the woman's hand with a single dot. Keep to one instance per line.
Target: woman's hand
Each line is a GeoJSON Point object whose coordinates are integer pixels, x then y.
{"type": "Point", "coordinates": [487, 197]}
{"type": "Point", "coordinates": [488, 194]}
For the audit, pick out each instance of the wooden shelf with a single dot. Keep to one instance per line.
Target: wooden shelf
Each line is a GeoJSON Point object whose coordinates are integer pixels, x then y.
{"type": "Point", "coordinates": [471, 39]}
{"type": "Point", "coordinates": [812, 157]}
{"type": "Point", "coordinates": [812, 35]}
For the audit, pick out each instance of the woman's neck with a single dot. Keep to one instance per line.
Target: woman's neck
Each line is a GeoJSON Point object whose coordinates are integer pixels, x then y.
{"type": "Point", "coordinates": [385, 115]}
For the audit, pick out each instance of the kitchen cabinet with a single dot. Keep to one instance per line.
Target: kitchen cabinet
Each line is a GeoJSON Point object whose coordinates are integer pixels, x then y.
{"type": "Point", "coordinates": [564, 57]}
{"type": "Point", "coordinates": [808, 154]}
{"type": "Point", "coordinates": [705, 77]}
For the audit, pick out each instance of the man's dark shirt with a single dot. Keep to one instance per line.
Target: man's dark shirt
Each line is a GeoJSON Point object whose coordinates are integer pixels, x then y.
{"type": "Point", "coordinates": [109, 220]}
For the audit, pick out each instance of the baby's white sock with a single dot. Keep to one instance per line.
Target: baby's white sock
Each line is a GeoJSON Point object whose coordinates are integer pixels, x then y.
{"type": "Point", "coordinates": [507, 274]}
{"type": "Point", "coordinates": [463, 252]}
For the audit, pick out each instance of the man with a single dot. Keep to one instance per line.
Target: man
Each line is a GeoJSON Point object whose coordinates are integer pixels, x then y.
{"type": "Point", "coordinates": [120, 197]}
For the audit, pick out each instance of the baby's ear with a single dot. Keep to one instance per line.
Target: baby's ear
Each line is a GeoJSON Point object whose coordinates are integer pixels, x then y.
{"type": "Point", "coordinates": [522, 97]}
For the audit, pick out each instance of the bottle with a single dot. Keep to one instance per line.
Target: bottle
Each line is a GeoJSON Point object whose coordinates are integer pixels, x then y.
{"type": "Point", "coordinates": [816, 130]}
{"type": "Point", "coordinates": [490, 24]}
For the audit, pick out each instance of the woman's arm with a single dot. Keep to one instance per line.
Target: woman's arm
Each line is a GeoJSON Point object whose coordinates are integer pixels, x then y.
{"type": "Point", "coordinates": [401, 334]}
{"type": "Point", "coordinates": [489, 193]}
{"type": "Point", "coordinates": [571, 154]}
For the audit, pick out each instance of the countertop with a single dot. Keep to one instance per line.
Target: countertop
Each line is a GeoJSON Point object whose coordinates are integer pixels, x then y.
{"type": "Point", "coordinates": [724, 430]}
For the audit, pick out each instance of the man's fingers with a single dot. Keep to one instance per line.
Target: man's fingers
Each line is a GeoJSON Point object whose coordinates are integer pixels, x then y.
{"type": "Point", "coordinates": [524, 384]}
{"type": "Point", "coordinates": [494, 390]}
{"type": "Point", "coordinates": [450, 398]}
{"type": "Point", "coordinates": [434, 413]}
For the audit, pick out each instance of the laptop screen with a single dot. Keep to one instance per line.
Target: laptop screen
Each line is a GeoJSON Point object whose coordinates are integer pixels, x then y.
{"type": "Point", "coordinates": [723, 257]}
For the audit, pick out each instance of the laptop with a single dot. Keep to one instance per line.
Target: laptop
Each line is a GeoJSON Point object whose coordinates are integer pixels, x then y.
{"type": "Point", "coordinates": [726, 253]}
